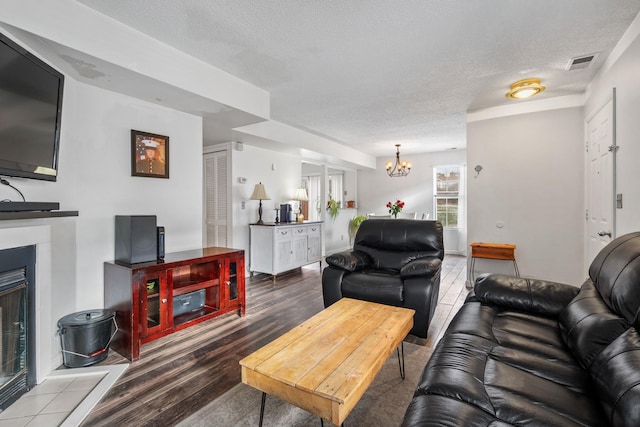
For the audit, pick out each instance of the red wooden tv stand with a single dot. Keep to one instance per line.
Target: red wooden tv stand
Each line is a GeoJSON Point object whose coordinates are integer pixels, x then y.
{"type": "Point", "coordinates": [157, 298]}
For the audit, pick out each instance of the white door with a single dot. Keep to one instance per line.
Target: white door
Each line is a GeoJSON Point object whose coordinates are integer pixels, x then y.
{"type": "Point", "coordinates": [600, 201]}
{"type": "Point", "coordinates": [215, 199]}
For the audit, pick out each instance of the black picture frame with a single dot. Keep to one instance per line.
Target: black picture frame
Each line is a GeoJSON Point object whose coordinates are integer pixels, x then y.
{"type": "Point", "coordinates": [149, 154]}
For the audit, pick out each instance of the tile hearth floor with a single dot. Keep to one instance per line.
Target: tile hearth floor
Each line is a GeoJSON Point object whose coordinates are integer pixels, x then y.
{"type": "Point", "coordinates": [64, 398]}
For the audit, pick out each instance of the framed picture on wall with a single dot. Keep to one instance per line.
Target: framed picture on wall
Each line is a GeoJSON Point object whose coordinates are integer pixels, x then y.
{"type": "Point", "coordinates": [149, 154]}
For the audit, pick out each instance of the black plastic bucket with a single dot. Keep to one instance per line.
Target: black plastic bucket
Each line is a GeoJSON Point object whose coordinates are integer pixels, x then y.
{"type": "Point", "coordinates": [86, 336]}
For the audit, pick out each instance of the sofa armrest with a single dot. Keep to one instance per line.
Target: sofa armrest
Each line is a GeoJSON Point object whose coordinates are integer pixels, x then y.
{"type": "Point", "coordinates": [349, 260]}
{"type": "Point", "coordinates": [424, 267]}
{"type": "Point", "coordinates": [536, 296]}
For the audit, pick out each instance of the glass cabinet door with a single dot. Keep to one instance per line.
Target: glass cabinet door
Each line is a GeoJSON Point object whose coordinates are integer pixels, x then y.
{"type": "Point", "coordinates": [232, 281]}
{"type": "Point", "coordinates": [154, 303]}
{"type": "Point", "coordinates": [152, 287]}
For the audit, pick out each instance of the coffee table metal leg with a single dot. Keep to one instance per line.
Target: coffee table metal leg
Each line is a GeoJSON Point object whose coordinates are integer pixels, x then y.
{"type": "Point", "coordinates": [322, 423]}
{"type": "Point", "coordinates": [399, 350]}
{"type": "Point", "coordinates": [264, 397]}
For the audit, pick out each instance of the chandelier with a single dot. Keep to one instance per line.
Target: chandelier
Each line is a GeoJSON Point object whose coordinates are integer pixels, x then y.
{"type": "Point", "coordinates": [400, 168]}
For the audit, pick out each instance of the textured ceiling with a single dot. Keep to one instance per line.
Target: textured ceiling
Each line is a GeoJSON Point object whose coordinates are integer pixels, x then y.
{"type": "Point", "coordinates": [371, 74]}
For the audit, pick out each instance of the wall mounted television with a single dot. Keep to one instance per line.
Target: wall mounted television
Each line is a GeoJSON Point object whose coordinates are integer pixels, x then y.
{"type": "Point", "coordinates": [30, 113]}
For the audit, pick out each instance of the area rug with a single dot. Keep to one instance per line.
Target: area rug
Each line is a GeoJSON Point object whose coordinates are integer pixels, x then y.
{"type": "Point", "coordinates": [383, 404]}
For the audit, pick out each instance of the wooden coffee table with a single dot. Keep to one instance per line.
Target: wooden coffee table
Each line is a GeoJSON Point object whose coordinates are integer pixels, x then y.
{"type": "Point", "coordinates": [327, 363]}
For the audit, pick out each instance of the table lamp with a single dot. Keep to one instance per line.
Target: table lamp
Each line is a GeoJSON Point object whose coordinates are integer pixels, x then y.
{"type": "Point", "coordinates": [259, 193]}
{"type": "Point", "coordinates": [301, 196]}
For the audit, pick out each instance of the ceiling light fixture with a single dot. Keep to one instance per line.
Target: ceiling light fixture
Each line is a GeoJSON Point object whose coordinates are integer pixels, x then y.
{"type": "Point", "coordinates": [400, 168]}
{"type": "Point", "coordinates": [525, 88]}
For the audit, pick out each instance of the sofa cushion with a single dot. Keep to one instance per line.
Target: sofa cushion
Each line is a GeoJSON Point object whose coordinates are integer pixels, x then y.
{"type": "Point", "coordinates": [521, 293]}
{"type": "Point", "coordinates": [617, 379]}
{"type": "Point", "coordinates": [588, 325]}
{"type": "Point", "coordinates": [449, 412]}
{"type": "Point", "coordinates": [349, 260]}
{"type": "Point", "coordinates": [392, 243]}
{"type": "Point", "coordinates": [383, 259]}
{"type": "Point", "coordinates": [526, 341]}
{"type": "Point", "coordinates": [615, 271]}
{"type": "Point", "coordinates": [422, 267]}
{"type": "Point", "coordinates": [375, 286]}
{"type": "Point", "coordinates": [502, 366]}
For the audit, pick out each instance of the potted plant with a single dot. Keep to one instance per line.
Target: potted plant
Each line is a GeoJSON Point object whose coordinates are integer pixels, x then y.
{"type": "Point", "coordinates": [354, 224]}
{"type": "Point", "coordinates": [333, 206]}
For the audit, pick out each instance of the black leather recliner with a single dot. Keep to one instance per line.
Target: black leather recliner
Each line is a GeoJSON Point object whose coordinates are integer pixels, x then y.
{"type": "Point", "coordinates": [394, 262]}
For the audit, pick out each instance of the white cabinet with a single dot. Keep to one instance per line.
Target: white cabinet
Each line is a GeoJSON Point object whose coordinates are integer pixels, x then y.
{"type": "Point", "coordinates": [283, 250]}
{"type": "Point", "coordinates": [300, 246]}
{"type": "Point", "coordinates": [276, 248]}
{"type": "Point", "coordinates": [314, 242]}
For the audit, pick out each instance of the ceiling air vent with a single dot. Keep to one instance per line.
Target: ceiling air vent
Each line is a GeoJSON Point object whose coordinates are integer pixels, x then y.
{"type": "Point", "coordinates": [580, 63]}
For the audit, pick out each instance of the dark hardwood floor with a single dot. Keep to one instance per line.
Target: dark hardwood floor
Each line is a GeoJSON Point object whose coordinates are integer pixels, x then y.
{"type": "Point", "coordinates": [181, 373]}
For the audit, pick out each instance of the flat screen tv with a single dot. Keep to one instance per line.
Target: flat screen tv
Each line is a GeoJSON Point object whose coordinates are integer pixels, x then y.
{"type": "Point", "coordinates": [30, 111]}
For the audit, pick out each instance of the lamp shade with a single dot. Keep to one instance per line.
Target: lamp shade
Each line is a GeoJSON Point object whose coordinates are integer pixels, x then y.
{"type": "Point", "coordinates": [301, 194]}
{"type": "Point", "coordinates": [259, 193]}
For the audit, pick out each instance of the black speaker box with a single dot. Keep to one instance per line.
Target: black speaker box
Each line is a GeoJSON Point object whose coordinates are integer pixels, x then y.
{"type": "Point", "coordinates": [160, 242]}
{"type": "Point", "coordinates": [136, 238]}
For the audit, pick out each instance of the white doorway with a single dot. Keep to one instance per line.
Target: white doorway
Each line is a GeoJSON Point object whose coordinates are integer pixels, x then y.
{"type": "Point", "coordinates": [216, 198]}
{"type": "Point", "coordinates": [600, 171]}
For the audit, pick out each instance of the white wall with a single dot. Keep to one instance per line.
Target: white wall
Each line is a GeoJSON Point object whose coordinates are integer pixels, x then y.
{"type": "Point", "coordinates": [532, 182]}
{"type": "Point", "coordinates": [280, 174]}
{"type": "Point", "coordinates": [623, 75]}
{"type": "Point", "coordinates": [101, 145]}
{"type": "Point", "coordinates": [336, 231]}
{"type": "Point", "coordinates": [255, 164]}
{"type": "Point", "coordinates": [350, 185]}
{"type": "Point", "coordinates": [95, 179]}
{"type": "Point", "coordinates": [376, 188]}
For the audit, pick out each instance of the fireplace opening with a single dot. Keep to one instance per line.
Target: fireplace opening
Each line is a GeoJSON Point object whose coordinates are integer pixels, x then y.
{"type": "Point", "coordinates": [17, 323]}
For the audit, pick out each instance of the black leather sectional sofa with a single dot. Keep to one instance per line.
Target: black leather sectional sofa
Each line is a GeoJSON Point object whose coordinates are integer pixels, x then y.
{"type": "Point", "coordinates": [524, 352]}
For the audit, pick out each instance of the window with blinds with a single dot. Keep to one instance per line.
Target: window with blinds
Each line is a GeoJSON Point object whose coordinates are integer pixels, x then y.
{"type": "Point", "coordinates": [446, 192]}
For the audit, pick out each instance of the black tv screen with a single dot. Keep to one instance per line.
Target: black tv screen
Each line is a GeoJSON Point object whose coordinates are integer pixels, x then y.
{"type": "Point", "coordinates": [30, 111]}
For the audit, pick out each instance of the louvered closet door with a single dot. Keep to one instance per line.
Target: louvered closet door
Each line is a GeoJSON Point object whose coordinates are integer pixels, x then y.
{"type": "Point", "coordinates": [215, 185]}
